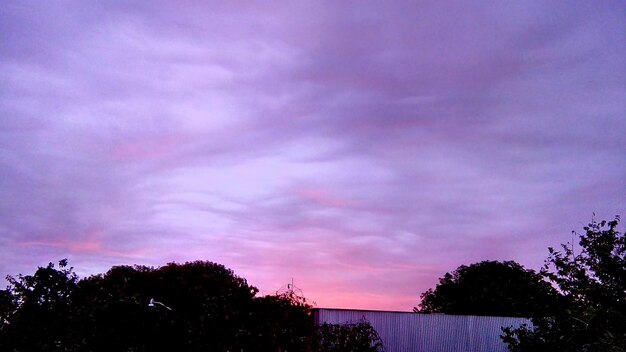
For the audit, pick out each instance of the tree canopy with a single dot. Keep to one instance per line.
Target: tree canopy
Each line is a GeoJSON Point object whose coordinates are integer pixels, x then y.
{"type": "Point", "coordinates": [490, 288]}
{"type": "Point", "coordinates": [209, 305]}
{"type": "Point", "coordinates": [200, 306]}
{"type": "Point", "coordinates": [592, 281]}
{"type": "Point", "coordinates": [37, 309]}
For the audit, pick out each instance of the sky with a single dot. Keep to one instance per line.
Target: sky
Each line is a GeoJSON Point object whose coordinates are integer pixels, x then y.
{"type": "Point", "coordinates": [362, 149]}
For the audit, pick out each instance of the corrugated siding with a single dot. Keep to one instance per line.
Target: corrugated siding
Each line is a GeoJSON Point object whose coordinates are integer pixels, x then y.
{"type": "Point", "coordinates": [404, 332]}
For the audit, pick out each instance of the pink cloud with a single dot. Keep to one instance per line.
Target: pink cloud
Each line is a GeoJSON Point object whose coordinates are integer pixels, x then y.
{"type": "Point", "coordinates": [147, 148]}
{"type": "Point", "coordinates": [363, 150]}
{"type": "Point", "coordinates": [86, 247]}
{"type": "Point", "coordinates": [322, 197]}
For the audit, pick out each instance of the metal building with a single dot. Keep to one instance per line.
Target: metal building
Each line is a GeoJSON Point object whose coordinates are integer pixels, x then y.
{"type": "Point", "coordinates": [417, 332]}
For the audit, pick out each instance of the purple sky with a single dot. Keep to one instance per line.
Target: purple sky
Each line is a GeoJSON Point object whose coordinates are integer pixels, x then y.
{"type": "Point", "coordinates": [362, 150]}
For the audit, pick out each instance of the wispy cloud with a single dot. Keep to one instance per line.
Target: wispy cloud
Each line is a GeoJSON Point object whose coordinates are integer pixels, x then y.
{"type": "Point", "coordinates": [363, 149]}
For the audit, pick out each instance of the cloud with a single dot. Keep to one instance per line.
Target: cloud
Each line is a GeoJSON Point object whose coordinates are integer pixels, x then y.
{"type": "Point", "coordinates": [362, 150]}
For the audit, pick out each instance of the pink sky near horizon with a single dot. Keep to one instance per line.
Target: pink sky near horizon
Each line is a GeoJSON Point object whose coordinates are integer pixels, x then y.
{"type": "Point", "coordinates": [362, 149]}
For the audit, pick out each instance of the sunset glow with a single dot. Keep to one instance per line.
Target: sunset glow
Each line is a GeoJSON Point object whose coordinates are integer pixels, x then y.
{"type": "Point", "coordinates": [362, 150]}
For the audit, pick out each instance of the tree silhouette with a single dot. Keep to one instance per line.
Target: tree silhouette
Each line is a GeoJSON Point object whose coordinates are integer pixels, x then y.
{"type": "Point", "coordinates": [593, 284]}
{"type": "Point", "coordinates": [490, 288]}
{"type": "Point", "coordinates": [203, 307]}
{"type": "Point", "coordinates": [42, 313]}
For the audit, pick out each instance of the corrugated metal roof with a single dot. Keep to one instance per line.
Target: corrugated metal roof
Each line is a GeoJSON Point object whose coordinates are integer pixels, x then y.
{"type": "Point", "coordinates": [405, 331]}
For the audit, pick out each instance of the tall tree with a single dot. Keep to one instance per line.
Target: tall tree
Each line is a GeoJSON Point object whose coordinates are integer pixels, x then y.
{"type": "Point", "coordinates": [201, 306]}
{"type": "Point", "coordinates": [592, 279]}
{"type": "Point", "coordinates": [53, 311]}
{"type": "Point", "coordinates": [42, 317]}
{"type": "Point", "coordinates": [490, 288]}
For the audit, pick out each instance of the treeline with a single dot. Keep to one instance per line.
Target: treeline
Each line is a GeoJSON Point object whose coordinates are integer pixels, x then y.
{"type": "Point", "coordinates": [577, 301]}
{"type": "Point", "coordinates": [196, 306]}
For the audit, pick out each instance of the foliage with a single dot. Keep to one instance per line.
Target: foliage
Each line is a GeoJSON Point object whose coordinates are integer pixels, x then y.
{"type": "Point", "coordinates": [352, 337]}
{"type": "Point", "coordinates": [281, 321]}
{"type": "Point", "coordinates": [39, 309]}
{"type": "Point", "coordinates": [7, 307]}
{"type": "Point", "coordinates": [209, 305]}
{"type": "Point", "coordinates": [593, 283]}
{"type": "Point", "coordinates": [490, 288]}
{"type": "Point", "coordinates": [202, 306]}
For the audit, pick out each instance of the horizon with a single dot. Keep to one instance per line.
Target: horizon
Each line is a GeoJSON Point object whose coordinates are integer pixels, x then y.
{"type": "Point", "coordinates": [361, 150]}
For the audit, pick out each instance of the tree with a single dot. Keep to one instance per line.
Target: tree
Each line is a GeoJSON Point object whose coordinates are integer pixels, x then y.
{"type": "Point", "coordinates": [210, 308]}
{"type": "Point", "coordinates": [280, 322]}
{"type": "Point", "coordinates": [592, 281]}
{"type": "Point", "coordinates": [39, 316]}
{"type": "Point", "coordinates": [202, 306]}
{"type": "Point", "coordinates": [8, 306]}
{"type": "Point", "coordinates": [490, 288]}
